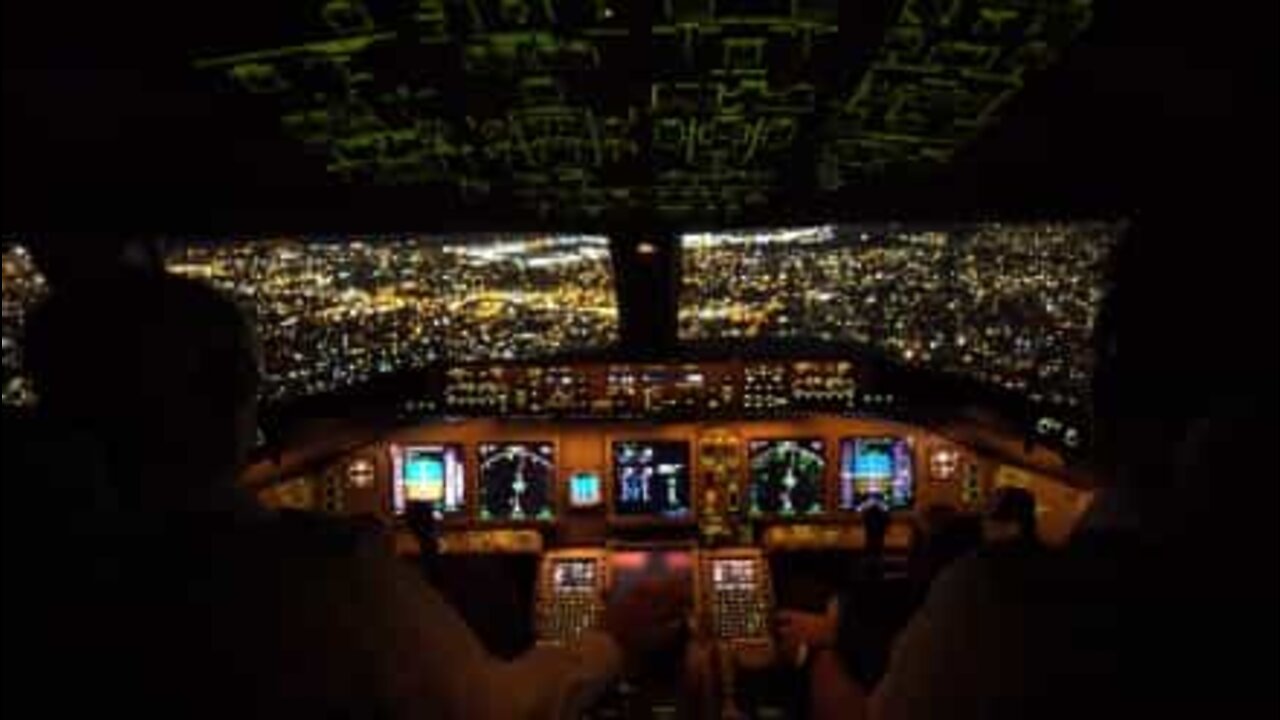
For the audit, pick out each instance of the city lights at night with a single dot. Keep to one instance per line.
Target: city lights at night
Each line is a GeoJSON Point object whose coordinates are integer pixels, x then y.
{"type": "Point", "coordinates": [333, 314]}
{"type": "Point", "coordinates": [1011, 306]}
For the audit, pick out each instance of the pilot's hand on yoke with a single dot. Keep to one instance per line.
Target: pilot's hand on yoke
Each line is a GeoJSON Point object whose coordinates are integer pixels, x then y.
{"type": "Point", "coordinates": [800, 633]}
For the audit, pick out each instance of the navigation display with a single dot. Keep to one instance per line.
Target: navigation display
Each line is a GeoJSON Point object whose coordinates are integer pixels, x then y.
{"type": "Point", "coordinates": [429, 473]}
{"type": "Point", "coordinates": [875, 471]}
{"type": "Point", "coordinates": [651, 478]}
{"type": "Point", "coordinates": [787, 476]}
{"type": "Point", "coordinates": [516, 480]}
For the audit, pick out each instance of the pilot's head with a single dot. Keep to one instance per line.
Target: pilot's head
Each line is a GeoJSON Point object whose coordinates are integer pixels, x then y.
{"type": "Point", "coordinates": [161, 371]}
{"type": "Point", "coordinates": [1186, 357]}
{"type": "Point", "coordinates": [1159, 349]}
{"type": "Point", "coordinates": [1011, 517]}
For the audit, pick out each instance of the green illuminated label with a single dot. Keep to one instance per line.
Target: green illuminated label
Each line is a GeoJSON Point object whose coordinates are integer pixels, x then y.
{"type": "Point", "coordinates": [539, 99]}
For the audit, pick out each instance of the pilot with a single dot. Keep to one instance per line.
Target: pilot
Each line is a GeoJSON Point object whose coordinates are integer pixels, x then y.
{"type": "Point", "coordinates": [1123, 621]}
{"type": "Point", "coordinates": [190, 600]}
{"type": "Point", "coordinates": [862, 611]}
{"type": "Point", "coordinates": [1012, 517]}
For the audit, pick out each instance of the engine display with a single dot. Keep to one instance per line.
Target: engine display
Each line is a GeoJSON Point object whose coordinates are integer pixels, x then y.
{"type": "Point", "coordinates": [516, 480]}
{"type": "Point", "coordinates": [651, 479]}
{"type": "Point", "coordinates": [787, 476]}
{"type": "Point", "coordinates": [875, 471]}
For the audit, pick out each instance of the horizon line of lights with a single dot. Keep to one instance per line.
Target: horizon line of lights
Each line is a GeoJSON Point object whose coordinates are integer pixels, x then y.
{"type": "Point", "coordinates": [804, 235]}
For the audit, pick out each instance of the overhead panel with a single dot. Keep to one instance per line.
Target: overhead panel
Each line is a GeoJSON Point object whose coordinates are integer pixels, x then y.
{"type": "Point", "coordinates": [695, 110]}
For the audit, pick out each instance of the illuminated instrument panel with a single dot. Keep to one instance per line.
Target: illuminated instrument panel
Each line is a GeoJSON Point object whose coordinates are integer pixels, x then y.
{"type": "Point", "coordinates": [787, 477]}
{"type": "Point", "coordinates": [829, 385]}
{"type": "Point", "coordinates": [428, 473]}
{"type": "Point", "coordinates": [728, 481]}
{"type": "Point", "coordinates": [741, 486]}
{"type": "Point", "coordinates": [721, 482]}
{"type": "Point", "coordinates": [670, 390]}
{"type": "Point", "coordinates": [570, 595]}
{"type": "Point", "coordinates": [651, 479]}
{"type": "Point", "coordinates": [531, 390]}
{"type": "Point", "coordinates": [876, 471]}
{"type": "Point", "coordinates": [739, 595]}
{"type": "Point", "coordinates": [516, 480]}
{"type": "Point", "coordinates": [585, 490]}
{"type": "Point", "coordinates": [732, 587]}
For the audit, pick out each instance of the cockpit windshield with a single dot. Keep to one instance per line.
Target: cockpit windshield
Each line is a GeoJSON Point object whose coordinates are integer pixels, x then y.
{"type": "Point", "coordinates": [335, 312]}
{"type": "Point", "coordinates": [1009, 305]}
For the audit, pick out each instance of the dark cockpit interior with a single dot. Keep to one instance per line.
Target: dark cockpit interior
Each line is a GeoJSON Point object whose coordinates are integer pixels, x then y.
{"type": "Point", "coordinates": [681, 358]}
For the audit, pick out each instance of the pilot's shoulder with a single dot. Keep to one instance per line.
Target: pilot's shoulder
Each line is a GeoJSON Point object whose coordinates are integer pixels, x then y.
{"type": "Point", "coordinates": [995, 576]}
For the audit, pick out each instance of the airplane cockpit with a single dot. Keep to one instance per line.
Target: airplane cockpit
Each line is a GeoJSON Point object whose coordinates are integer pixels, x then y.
{"type": "Point", "coordinates": [531, 492]}
{"type": "Point", "coordinates": [546, 519]}
{"type": "Point", "coordinates": [735, 299]}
